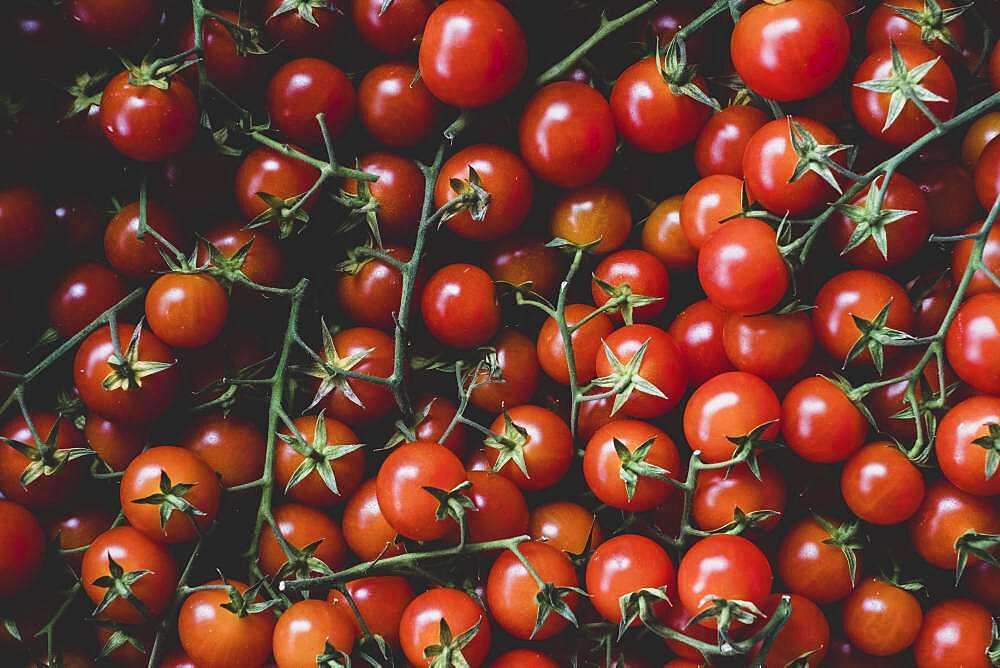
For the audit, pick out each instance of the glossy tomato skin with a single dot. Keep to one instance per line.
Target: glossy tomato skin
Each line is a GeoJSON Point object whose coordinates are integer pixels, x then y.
{"type": "Point", "coordinates": [472, 53]}
{"type": "Point", "coordinates": [399, 192]}
{"type": "Point", "coordinates": [116, 443]}
{"type": "Point", "coordinates": [524, 258]}
{"type": "Point", "coordinates": [400, 488]}
{"type": "Point", "coordinates": [880, 618]}
{"type": "Point", "coordinates": [944, 516]}
{"type": "Point", "coordinates": [773, 347]}
{"type": "Point", "coordinates": [662, 365]}
{"type": "Point", "coordinates": [602, 466]}
{"type": "Point", "coordinates": [741, 269]}
{"type": "Point", "coordinates": [880, 485]}
{"type": "Point", "coordinates": [722, 141]}
{"type": "Point", "coordinates": [623, 565]}
{"type": "Point", "coordinates": [23, 225]}
{"type": "Point", "coordinates": [232, 72]}
{"type": "Point", "coordinates": [524, 658]}
{"type": "Point", "coordinates": [548, 448]}
{"type": "Point", "coordinates": [381, 600]}
{"type": "Point", "coordinates": [348, 469]}
{"type": "Point", "coordinates": [438, 413]}
{"type": "Point", "coordinates": [709, 201]}
{"type": "Point", "coordinates": [973, 342]}
{"type": "Point", "coordinates": [396, 109]}
{"type": "Point", "coordinates": [518, 367]}
{"type": "Point", "coordinates": [565, 525]}
{"type": "Point", "coordinates": [980, 133]}
{"type": "Point", "coordinates": [186, 310]}
{"type": "Point", "coordinates": [393, 30]}
{"type": "Point", "coordinates": [871, 108]}
{"type": "Point", "coordinates": [304, 87]}
{"type": "Point", "coordinates": [297, 35]}
{"type": "Point", "coordinates": [962, 252]}
{"type": "Point", "coordinates": [76, 528]}
{"type": "Point", "coordinates": [503, 175]}
{"type": "Point", "coordinates": [420, 626]}
{"type": "Point", "coordinates": [147, 123]}
{"type": "Point", "coordinates": [133, 551]}
{"type": "Point", "coordinates": [266, 170]}
{"type": "Point", "coordinates": [723, 566]}
{"type": "Point", "coordinates": [811, 567]}
{"type": "Point", "coordinates": [567, 134]}
{"type": "Point", "coordinates": [987, 175]}
{"type": "Point", "coordinates": [305, 629]}
{"type": "Point", "coordinates": [638, 271]}
{"type": "Point", "coordinates": [790, 51]}
{"type": "Point", "coordinates": [806, 631]}
{"type": "Point", "coordinates": [649, 115]}
{"type": "Point", "coordinates": [731, 404]}
{"type": "Point", "coordinates": [718, 493]}
{"type": "Point", "coordinates": [501, 511]}
{"type": "Point", "coordinates": [233, 446]}
{"type": "Point", "coordinates": [459, 306]}
{"type": "Point", "coordinates": [596, 213]}
{"type": "Point", "coordinates": [366, 530]}
{"type": "Point", "coordinates": [820, 423]}
{"type": "Point", "coordinates": [376, 400]}
{"type": "Point", "coordinates": [82, 294]}
{"type": "Point", "coordinates": [24, 545]}
{"type": "Point", "coordinates": [511, 590]}
{"type": "Point", "coordinates": [950, 193]}
{"type": "Point", "coordinates": [954, 633]}
{"type": "Point", "coordinates": [136, 258]}
{"type": "Point", "coordinates": [585, 341]}
{"type": "Point", "coordinates": [663, 236]}
{"type": "Point", "coordinates": [216, 637]}
{"type": "Point", "coordinates": [698, 332]}
{"type": "Point", "coordinates": [886, 25]}
{"type": "Point", "coordinates": [301, 526]}
{"type": "Point", "coordinates": [962, 461]}
{"type": "Point", "coordinates": [264, 264]}
{"type": "Point", "coordinates": [46, 490]}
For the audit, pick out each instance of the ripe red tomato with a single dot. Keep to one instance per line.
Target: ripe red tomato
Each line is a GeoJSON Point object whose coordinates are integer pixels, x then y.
{"type": "Point", "coordinates": [811, 566]}
{"type": "Point", "coordinates": [394, 104]}
{"type": "Point", "coordinates": [698, 332]}
{"type": "Point", "coordinates": [24, 546]}
{"type": "Point", "coordinates": [886, 25]}
{"type": "Point", "coordinates": [954, 633]}
{"type": "Point", "coordinates": [950, 193]}
{"type": "Point", "coordinates": [380, 599]}
{"type": "Point", "coordinates": [511, 590]}
{"type": "Point", "coordinates": [366, 531]}
{"type": "Point", "coordinates": [585, 342]}
{"type": "Point", "coordinates": [307, 628]}
{"type": "Point", "coordinates": [216, 637]}
{"type": "Point", "coordinates": [233, 72]}
{"type": "Point", "coordinates": [524, 258]}
{"type": "Point", "coordinates": [962, 252]}
{"type": "Point", "coordinates": [650, 115]}
{"type": "Point", "coordinates": [820, 423]}
{"type": "Point", "coordinates": [186, 310]}
{"type": "Point", "coordinates": [994, 68]}
{"type": "Point", "coordinates": [472, 54]}
{"type": "Point", "coordinates": [391, 29]}
{"type": "Point", "coordinates": [518, 368]}
{"type": "Point", "coordinates": [116, 443]}
{"type": "Point", "coordinates": [398, 193]}
{"type": "Point", "coordinates": [623, 565]}
{"type": "Point", "coordinates": [973, 342]}
{"type": "Point", "coordinates": [880, 618]}
{"type": "Point", "coordinates": [46, 490]}
{"type": "Point", "coordinates": [605, 472]}
{"type": "Point", "coordinates": [232, 446]}
{"type": "Point", "coordinates": [790, 51]}
{"type": "Point", "coordinates": [707, 203]}
{"type": "Point", "coordinates": [980, 133]}
{"type": "Point", "coordinates": [663, 236]}
{"type": "Point", "coordinates": [303, 88]}
{"type": "Point", "coordinates": [420, 627]}
{"type": "Point", "coordinates": [741, 269]}
{"type": "Point", "coordinates": [437, 413]}
{"type": "Point", "coordinates": [116, 24]}
{"type": "Point", "coordinates": [880, 485]}
{"type": "Point", "coordinates": [565, 525]}
{"type": "Point", "coordinates": [300, 36]}
{"type": "Point", "coordinates": [632, 272]}
{"type": "Point", "coordinates": [805, 632]}
{"type": "Point", "coordinates": [662, 366]}
{"type": "Point", "coordinates": [136, 258]}
{"type": "Point", "coordinates": [74, 529]}
{"type": "Point", "coordinates": [729, 405]}
{"type": "Point", "coordinates": [773, 347]}
{"type": "Point", "coordinates": [400, 484]}
{"type": "Point", "coordinates": [263, 264]}
{"type": "Point", "coordinates": [23, 225]}
{"type": "Point", "coordinates": [944, 516]}
{"type": "Point", "coordinates": [676, 617]}
{"type": "Point", "coordinates": [268, 171]}
{"type": "Point", "coordinates": [537, 435]}
{"type": "Point", "coordinates": [596, 213]}
{"type": "Point", "coordinates": [567, 134]}
{"type": "Point", "coordinates": [82, 294]}
{"type": "Point", "coordinates": [369, 290]}
{"type": "Point", "coordinates": [459, 306]}
{"type": "Point", "coordinates": [301, 526]}
{"type": "Point", "coordinates": [722, 566]}
{"type": "Point", "coordinates": [501, 174]}
{"type": "Point", "coordinates": [722, 141]}
{"type": "Point", "coordinates": [374, 401]}
{"type": "Point", "coordinates": [961, 460]}
{"type": "Point", "coordinates": [719, 492]}
{"type": "Point", "coordinates": [346, 468]}
{"type": "Point", "coordinates": [145, 122]}
{"type": "Point", "coordinates": [524, 658]}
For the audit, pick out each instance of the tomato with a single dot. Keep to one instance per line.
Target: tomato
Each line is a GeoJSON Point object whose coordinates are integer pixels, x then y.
{"type": "Point", "coordinates": [632, 272]}
{"type": "Point", "coordinates": [50, 488]}
{"type": "Point", "coordinates": [435, 414]}
{"type": "Point", "coordinates": [769, 163]}
{"type": "Point", "coordinates": [880, 485]}
{"type": "Point", "coordinates": [663, 236]}
{"type": "Point", "coordinates": [390, 30]}
{"type": "Point", "coordinates": [606, 473]}
{"type": "Point", "coordinates": [950, 194]}
{"type": "Point", "coordinates": [963, 461]}
{"type": "Point", "coordinates": [227, 68]}
{"type": "Point", "coordinates": [82, 294]}
{"type": "Point", "coordinates": [722, 141]}
{"type": "Point", "coordinates": [518, 371]}
{"type": "Point", "coordinates": [76, 220]}
{"type": "Point", "coordinates": [367, 351]}
{"type": "Point", "coordinates": [880, 618]}
{"type": "Point", "coordinates": [871, 108]}
{"type": "Point", "coordinates": [585, 342]}
{"type": "Point", "coordinates": [536, 436]}
{"type": "Point", "coordinates": [399, 193]}
{"type": "Point", "coordinates": [263, 264]}
{"type": "Point", "coordinates": [981, 581]}
{"type": "Point", "coordinates": [307, 628]}
{"type": "Point", "coordinates": [931, 303]}
{"type": "Point", "coordinates": [327, 447]}
{"type": "Point", "coordinates": [459, 306]}
{"type": "Point", "coordinates": [565, 525]}
{"type": "Point", "coordinates": [698, 332]}
{"type": "Point", "coordinates": [366, 531]}
{"type": "Point", "coordinates": [790, 51]}
{"type": "Point", "coordinates": [862, 294]}
{"type": "Point", "coordinates": [719, 492]}
{"type": "Point", "coordinates": [676, 617]}
{"type": "Point", "coordinates": [133, 552]}
{"type": "Point", "coordinates": [623, 565]}
{"type": "Point", "coordinates": [994, 68]}
{"type": "Point", "coordinates": [722, 566]}
{"type": "Point", "coordinates": [394, 105]}
{"type": "Point", "coordinates": [887, 25]}
{"type": "Point", "coordinates": [127, 655]}
{"type": "Point", "coordinates": [77, 528]}
{"type": "Point", "coordinates": [773, 347]}
{"type": "Point", "coordinates": [268, 171]}
{"type": "Point", "coordinates": [381, 600]}
{"type": "Point", "coordinates": [980, 133]}
{"type": "Point", "coordinates": [811, 565]}
{"type": "Point", "coordinates": [567, 134]}
{"type": "Point", "coordinates": [962, 252]}
{"type": "Point", "coordinates": [400, 484]}
{"type": "Point", "coordinates": [216, 637]}
{"type": "Point", "coordinates": [987, 175]}
{"type": "Point", "coordinates": [741, 269]}
{"type": "Point", "coordinates": [24, 546]}
{"type": "Point", "coordinates": [115, 24]}
{"type": "Point", "coordinates": [501, 174]}
{"type": "Point", "coordinates": [144, 494]}
{"type": "Point", "coordinates": [472, 53]}
{"type": "Point", "coordinates": [727, 406]}
{"type": "Point", "coordinates": [511, 590]}
{"type": "Point", "coordinates": [650, 115]}
{"type": "Point", "coordinates": [186, 310]}
{"type": "Point", "coordinates": [662, 366]}
{"type": "Point", "coordinates": [524, 658]}
{"type": "Point", "coordinates": [420, 627]}
{"type": "Point", "coordinates": [944, 516]}
{"type": "Point", "coordinates": [597, 213]}
{"type": "Point", "coordinates": [23, 225]}
{"type": "Point", "coordinates": [843, 654]}
{"type": "Point", "coordinates": [820, 423]}
{"type": "Point", "coordinates": [904, 237]}
{"type": "Point", "coordinates": [136, 258]}
{"type": "Point", "coordinates": [707, 203]}
{"type": "Point", "coordinates": [303, 88]}
{"type": "Point", "coordinates": [300, 527]}
{"type": "Point", "coordinates": [956, 632]}
{"type": "Point", "coordinates": [145, 122]}
{"type": "Point", "coordinates": [973, 342]}
{"type": "Point", "coordinates": [501, 511]}
{"type": "Point", "coordinates": [524, 258]}
{"type": "Point", "coordinates": [285, 25]}
{"type": "Point", "coordinates": [116, 443]}
{"type": "Point", "coordinates": [805, 632]}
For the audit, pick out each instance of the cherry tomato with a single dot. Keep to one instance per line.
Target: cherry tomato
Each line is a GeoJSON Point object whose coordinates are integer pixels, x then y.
{"type": "Point", "coordinates": [790, 51]}
{"type": "Point", "coordinates": [48, 489]}
{"type": "Point", "coordinates": [727, 406]}
{"type": "Point", "coordinates": [773, 347]}
{"type": "Point", "coordinates": [346, 468]}
{"type": "Point", "coordinates": [962, 252]}
{"type": "Point", "coordinates": [420, 627]}
{"type": "Point", "coordinates": [227, 68]}
{"type": "Point", "coordinates": [524, 258]}
{"type": "Point", "coordinates": [661, 366]}
{"type": "Point", "coordinates": [398, 193]}
{"type": "Point", "coordinates": [115, 24]}
{"type": "Point", "coordinates": [961, 460]}
{"type": "Point", "coordinates": [307, 628]}
{"type": "Point", "coordinates": [24, 545]}
{"type": "Point", "coordinates": [994, 68]}
{"type": "Point", "coordinates": [298, 35]}
{"type": "Point", "coordinates": [524, 658]}
{"type": "Point", "coordinates": [980, 133]}
{"type": "Point", "coordinates": [136, 258]}
{"type": "Point", "coordinates": [303, 88]}
{"type": "Point", "coordinates": [722, 141]}
{"type": "Point", "coordinates": [472, 54]}
{"type": "Point", "coordinates": [805, 632]}
{"type": "Point", "coordinates": [950, 194]}
{"type": "Point", "coordinates": [23, 225]}
{"type": "Point", "coordinates": [373, 351]}
{"type": "Point", "coordinates": [369, 289]}
{"type": "Point", "coordinates": [459, 306]}
{"type": "Point", "coordinates": [567, 134]}
{"type": "Point", "coordinates": [741, 269]}
{"type": "Point", "coordinates": [606, 472]}
{"type": "Point", "coordinates": [127, 655]}
{"type": "Point", "coordinates": [116, 443]}
{"type": "Point", "coordinates": [973, 342]}
{"type": "Point", "coordinates": [518, 371]}
{"type": "Point", "coordinates": [501, 511]}
{"type": "Point", "coordinates": [391, 29]}
{"type": "Point", "coordinates": [676, 617]}
{"type": "Point", "coordinates": [719, 492]}
{"type": "Point", "coordinates": [381, 600]}
{"type": "Point", "coordinates": [880, 485]}
{"type": "Point", "coordinates": [75, 529]}
{"type": "Point", "coordinates": [722, 566]}
{"type": "Point", "coordinates": [623, 565]}
{"type": "Point", "coordinates": [596, 213]}
{"type": "Point", "coordinates": [265, 170]}
{"type": "Point", "coordinates": [216, 637]}
{"type": "Point", "coordinates": [663, 236]}
{"type": "Point", "coordinates": [437, 414]}
{"type": "Point", "coordinates": [820, 423]}
{"type": "Point", "coordinates": [511, 591]}
{"type": "Point", "coordinates": [707, 203]}
{"type": "Point", "coordinates": [82, 294]}
{"type": "Point", "coordinates": [186, 310]}
{"type": "Point", "coordinates": [565, 525]}
{"type": "Point", "coordinates": [539, 438]}
{"type": "Point", "coordinates": [944, 516]}
{"type": "Point", "coordinates": [585, 342]}
{"type": "Point", "coordinates": [366, 530]}
{"type": "Point", "coordinates": [698, 332]}
{"type": "Point", "coordinates": [954, 633]}
{"type": "Point", "coordinates": [394, 104]}
{"type": "Point", "coordinates": [401, 480]}
{"type": "Point", "coordinates": [632, 272]}
{"type": "Point", "coordinates": [145, 122]}
{"type": "Point", "coordinates": [263, 264]}
{"type": "Point", "coordinates": [880, 618]}
{"type": "Point", "coordinates": [301, 526]}
{"type": "Point", "coordinates": [886, 25]}
{"type": "Point", "coordinates": [811, 566]}
{"type": "Point", "coordinates": [987, 175]}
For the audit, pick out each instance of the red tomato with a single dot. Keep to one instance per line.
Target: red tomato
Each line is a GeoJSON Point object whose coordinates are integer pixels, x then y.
{"type": "Point", "coordinates": [661, 366]}
{"type": "Point", "coordinates": [501, 511]}
{"type": "Point", "coordinates": [820, 423]}
{"type": "Point", "coordinates": [698, 332]}
{"type": "Point", "coordinates": [524, 658]}
{"type": "Point", "coordinates": [565, 525]}
{"type": "Point", "coordinates": [632, 272]}
{"type": "Point", "coordinates": [398, 193]}
{"type": "Point", "coordinates": [518, 367]}
{"type": "Point", "coordinates": [812, 566]}
{"type": "Point", "coordinates": [880, 618]}
{"type": "Point", "coordinates": [366, 530]}
{"type": "Point", "coordinates": [227, 68]}
{"type": "Point", "coordinates": [437, 414]}
{"type": "Point", "coordinates": [74, 529]}
{"type": "Point", "coordinates": [980, 133]}
{"type": "Point", "coordinates": [773, 347]}
{"type": "Point", "coordinates": [76, 219]}
{"type": "Point", "coordinates": [537, 436]}
{"type": "Point", "coordinates": [420, 627]}
{"type": "Point", "coordinates": [23, 225]}
{"type": "Point", "coordinates": [145, 122]}
{"type": "Point", "coordinates": [950, 193]}
{"type": "Point", "coordinates": [623, 565]}
{"type": "Point", "coordinates": [136, 258]}
{"type": "Point", "coordinates": [268, 171]}
{"type": "Point", "coordinates": [944, 516]}
{"type": "Point", "coordinates": [722, 566]}
{"type": "Point", "coordinates": [524, 258]}
{"type": "Point", "coordinates": [663, 236]}
{"type": "Point", "coordinates": [459, 306]}
{"type": "Point", "coordinates": [962, 252]}
{"type": "Point", "coordinates": [116, 443]}
{"type": "Point", "coordinates": [707, 203]}
{"type": "Point", "coordinates": [606, 473]}
{"type": "Point", "coordinates": [374, 401]}
{"type": "Point", "coordinates": [880, 485]}
{"type": "Point", "coordinates": [303, 88]}
{"type": "Point", "coordinates": [232, 446]}
{"type": "Point", "coordinates": [24, 545]}
{"type": "Point", "coordinates": [886, 25]}
{"type": "Point", "coordinates": [394, 105]}
{"type": "Point", "coordinates": [82, 294]}
{"type": "Point", "coordinates": [301, 526]}
{"type": "Point", "coordinates": [963, 461]}
{"type": "Point", "coordinates": [954, 633]}
{"type": "Point", "coordinates": [216, 637]}
{"type": "Point", "coordinates": [722, 141]}
{"type": "Point", "coordinates": [391, 30]}
{"type": "Point", "coordinates": [380, 599]}
{"type": "Point", "coordinates": [307, 628]}
{"type": "Point", "coordinates": [719, 492]}
{"type": "Point", "coordinates": [585, 342]}
{"type": "Point", "coordinates": [472, 53]}
{"type": "Point", "coordinates": [511, 590]}
{"type": "Point", "coordinates": [404, 474]}
{"type": "Point", "coordinates": [973, 342]}
{"type": "Point", "coordinates": [346, 467]}
{"type": "Point", "coordinates": [369, 289]}
{"type": "Point", "coordinates": [299, 35]}
{"type": "Point", "coordinates": [729, 405]}
{"type": "Point", "coordinates": [596, 213]}
{"type": "Point", "coordinates": [186, 310]}
{"type": "Point", "coordinates": [48, 489]}
{"type": "Point", "coordinates": [741, 269]}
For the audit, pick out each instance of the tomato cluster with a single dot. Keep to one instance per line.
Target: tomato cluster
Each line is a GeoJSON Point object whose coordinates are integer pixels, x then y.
{"type": "Point", "coordinates": [479, 333]}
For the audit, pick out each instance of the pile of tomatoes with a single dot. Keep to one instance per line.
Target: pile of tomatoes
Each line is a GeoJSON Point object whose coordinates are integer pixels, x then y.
{"type": "Point", "coordinates": [481, 333]}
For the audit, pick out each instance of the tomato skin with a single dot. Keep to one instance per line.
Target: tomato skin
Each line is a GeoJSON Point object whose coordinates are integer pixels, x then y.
{"type": "Point", "coordinates": [962, 252]}
{"type": "Point", "coordinates": [504, 176]}
{"type": "Point", "coordinates": [300, 526]}
{"type": "Point", "coordinates": [146, 123]}
{"type": "Point", "coordinates": [298, 36]}
{"type": "Point", "coordinates": [663, 236]}
{"type": "Point", "coordinates": [136, 258]}
{"type": "Point", "coordinates": [524, 658]}
{"type": "Point", "coordinates": [565, 525]}
{"type": "Point", "coordinates": [76, 528]}
{"type": "Point", "coordinates": [880, 618]}
{"type": "Point", "coordinates": [662, 365]}
{"type": "Point", "coordinates": [625, 564]}
{"type": "Point", "coordinates": [994, 68]}
{"type": "Point", "coordinates": [773, 347]}
{"type": "Point", "coordinates": [264, 264]}
{"type": "Point", "coordinates": [642, 273]}
{"type": "Point", "coordinates": [232, 72]}
{"type": "Point", "coordinates": [596, 213]}
{"type": "Point", "coordinates": [116, 443]}
{"type": "Point", "coordinates": [394, 111]}
{"type": "Point", "coordinates": [945, 514]}
{"type": "Point", "coordinates": [709, 201]}
{"type": "Point", "coordinates": [886, 25]}
{"type": "Point", "coordinates": [133, 551]}
{"type": "Point", "coordinates": [811, 567]}
{"type": "Point", "coordinates": [723, 566]}
{"type": "Point", "coordinates": [304, 630]}
{"type": "Point", "coordinates": [719, 492]}
{"type": "Point", "coordinates": [400, 488]}
{"type": "Point", "coordinates": [820, 423]}
{"type": "Point", "coordinates": [769, 162]}
{"type": "Point", "coordinates": [216, 637]}
{"type": "Point", "coordinates": [439, 413]}
{"type": "Point", "coordinates": [741, 269]}
{"type": "Point", "coordinates": [23, 225]}
{"type": "Point", "coordinates": [698, 332]}
{"type": "Point", "coordinates": [567, 134]}
{"type": "Point", "coordinates": [24, 546]}
{"type": "Point", "coordinates": [381, 600]}
{"type": "Point", "coordinates": [954, 633]}
{"type": "Point", "coordinates": [585, 341]}
{"type": "Point", "coordinates": [649, 115]}
{"type": "Point", "coordinates": [421, 624]}
{"type": "Point", "coordinates": [472, 54]}
{"type": "Point", "coordinates": [46, 490]}
{"type": "Point", "coordinates": [394, 30]}
{"type": "Point", "coordinates": [722, 141]}
{"type": "Point", "coordinates": [186, 310]}
{"type": "Point", "coordinates": [973, 342]}
{"type": "Point", "coordinates": [980, 133]}
{"type": "Point", "coordinates": [399, 191]}
{"type": "Point", "coordinates": [548, 451]}
{"type": "Point", "coordinates": [304, 87]}
{"type": "Point", "coordinates": [602, 466]}
{"type": "Point", "coordinates": [376, 399]}
{"type": "Point", "coordinates": [880, 485]}
{"type": "Point", "coordinates": [729, 405]}
{"type": "Point", "coordinates": [871, 108]}
{"type": "Point", "coordinates": [962, 461]}
{"type": "Point", "coordinates": [266, 170]}
{"type": "Point", "coordinates": [805, 630]}
{"type": "Point", "coordinates": [501, 511]}
{"type": "Point", "coordinates": [348, 470]}
{"type": "Point", "coordinates": [518, 366]}
{"type": "Point", "coordinates": [82, 294]}
{"type": "Point", "coordinates": [950, 193]}
{"type": "Point", "coordinates": [115, 24]}
{"type": "Point", "coordinates": [511, 591]}
{"type": "Point", "coordinates": [524, 258]}
{"type": "Point", "coordinates": [790, 51]}
{"type": "Point", "coordinates": [366, 530]}
{"type": "Point", "coordinates": [459, 306]}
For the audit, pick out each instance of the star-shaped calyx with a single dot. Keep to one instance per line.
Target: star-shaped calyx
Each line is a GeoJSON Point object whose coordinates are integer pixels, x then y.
{"type": "Point", "coordinates": [902, 85]}
{"type": "Point", "coordinates": [127, 370]}
{"type": "Point", "coordinates": [170, 498]}
{"type": "Point", "coordinates": [317, 455]}
{"type": "Point", "coordinates": [624, 299]}
{"type": "Point", "coordinates": [991, 443]}
{"type": "Point", "coordinates": [624, 377]}
{"type": "Point", "coordinates": [870, 221]}
{"type": "Point", "coordinates": [680, 76]}
{"type": "Point", "coordinates": [813, 156]}
{"type": "Point", "coordinates": [305, 8]}
{"type": "Point", "coordinates": [933, 21]}
{"type": "Point", "coordinates": [44, 458]}
{"type": "Point", "coordinates": [511, 444]}
{"type": "Point", "coordinates": [875, 335]}
{"type": "Point", "coordinates": [447, 652]}
{"type": "Point", "coordinates": [327, 370]}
